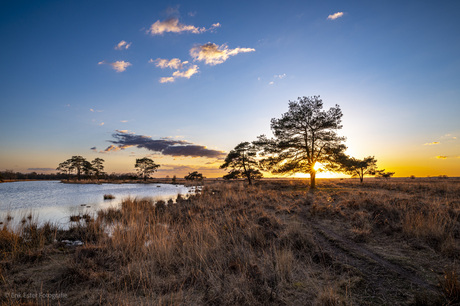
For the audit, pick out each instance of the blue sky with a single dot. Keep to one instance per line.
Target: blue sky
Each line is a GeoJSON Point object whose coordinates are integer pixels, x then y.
{"type": "Point", "coordinates": [66, 87]}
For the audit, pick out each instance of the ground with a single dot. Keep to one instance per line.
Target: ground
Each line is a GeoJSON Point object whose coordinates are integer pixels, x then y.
{"type": "Point", "coordinates": [385, 242]}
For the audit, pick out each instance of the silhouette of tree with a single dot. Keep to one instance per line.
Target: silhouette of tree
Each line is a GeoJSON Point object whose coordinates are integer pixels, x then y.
{"type": "Point", "coordinates": [66, 168]}
{"type": "Point", "coordinates": [98, 166]}
{"type": "Point", "coordinates": [242, 161]}
{"type": "Point", "coordinates": [359, 167]}
{"type": "Point", "coordinates": [145, 166]}
{"type": "Point", "coordinates": [385, 175]}
{"type": "Point", "coordinates": [194, 176]}
{"type": "Point", "coordinates": [304, 135]}
{"type": "Point", "coordinates": [78, 163]}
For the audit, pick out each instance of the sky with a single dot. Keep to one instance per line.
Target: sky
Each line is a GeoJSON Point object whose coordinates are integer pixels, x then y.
{"type": "Point", "coordinates": [184, 82]}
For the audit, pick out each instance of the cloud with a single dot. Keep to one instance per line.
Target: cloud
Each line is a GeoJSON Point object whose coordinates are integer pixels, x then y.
{"type": "Point", "coordinates": [167, 80]}
{"type": "Point", "coordinates": [441, 157]}
{"type": "Point", "coordinates": [271, 83]}
{"type": "Point", "coordinates": [449, 136]}
{"type": "Point", "coordinates": [101, 124]}
{"type": "Point", "coordinates": [280, 76]}
{"type": "Point", "coordinates": [41, 169]}
{"type": "Point", "coordinates": [335, 16]}
{"type": "Point", "coordinates": [213, 54]}
{"type": "Point", "coordinates": [188, 73]}
{"type": "Point", "coordinates": [123, 121]}
{"type": "Point", "coordinates": [174, 63]}
{"type": "Point", "coordinates": [118, 66]}
{"type": "Point", "coordinates": [172, 147]}
{"type": "Point", "coordinates": [172, 25]}
{"type": "Point", "coordinates": [93, 149]}
{"type": "Point", "coordinates": [432, 143]}
{"type": "Point", "coordinates": [123, 45]}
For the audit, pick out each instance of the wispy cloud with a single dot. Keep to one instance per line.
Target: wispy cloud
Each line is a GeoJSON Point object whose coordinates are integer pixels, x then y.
{"type": "Point", "coordinates": [442, 157]}
{"type": "Point", "coordinates": [101, 124]}
{"type": "Point", "coordinates": [167, 80]}
{"type": "Point", "coordinates": [186, 71]}
{"type": "Point", "coordinates": [93, 149]}
{"type": "Point", "coordinates": [277, 76]}
{"type": "Point", "coordinates": [122, 45]}
{"type": "Point", "coordinates": [118, 66]}
{"type": "Point", "coordinates": [95, 110]}
{"type": "Point", "coordinates": [123, 121]}
{"type": "Point", "coordinates": [449, 136]}
{"type": "Point", "coordinates": [335, 16]}
{"type": "Point", "coordinates": [166, 146]}
{"type": "Point", "coordinates": [174, 63]}
{"type": "Point", "coordinates": [213, 54]}
{"type": "Point", "coordinates": [432, 143]}
{"type": "Point", "coordinates": [41, 169]}
{"type": "Point", "coordinates": [172, 25]}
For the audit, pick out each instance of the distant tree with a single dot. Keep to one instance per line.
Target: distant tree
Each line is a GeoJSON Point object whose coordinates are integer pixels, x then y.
{"type": "Point", "coordinates": [243, 163]}
{"type": "Point", "coordinates": [76, 163]}
{"type": "Point", "coordinates": [79, 163]}
{"type": "Point", "coordinates": [304, 135]}
{"type": "Point", "coordinates": [66, 167]}
{"type": "Point", "coordinates": [98, 166]}
{"type": "Point", "coordinates": [194, 176]}
{"type": "Point", "coordinates": [358, 167]}
{"type": "Point", "coordinates": [174, 179]}
{"type": "Point", "coordinates": [385, 175]}
{"type": "Point", "coordinates": [145, 166]}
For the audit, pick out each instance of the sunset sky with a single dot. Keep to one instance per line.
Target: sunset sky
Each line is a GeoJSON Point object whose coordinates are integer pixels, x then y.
{"type": "Point", "coordinates": [184, 82]}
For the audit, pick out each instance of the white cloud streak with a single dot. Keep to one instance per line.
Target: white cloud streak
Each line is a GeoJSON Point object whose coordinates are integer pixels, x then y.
{"type": "Point", "coordinates": [123, 45]}
{"type": "Point", "coordinates": [213, 54]}
{"type": "Point", "coordinates": [172, 25]}
{"type": "Point", "coordinates": [335, 16]}
{"type": "Point", "coordinates": [174, 63]}
{"type": "Point", "coordinates": [167, 80]}
{"type": "Point", "coordinates": [188, 73]}
{"type": "Point", "coordinates": [118, 66]}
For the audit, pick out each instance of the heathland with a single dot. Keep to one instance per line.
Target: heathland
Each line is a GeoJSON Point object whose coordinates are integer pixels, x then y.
{"type": "Point", "coordinates": [388, 242]}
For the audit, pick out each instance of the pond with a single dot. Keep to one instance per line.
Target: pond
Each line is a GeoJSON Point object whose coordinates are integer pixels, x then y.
{"type": "Point", "coordinates": [55, 201]}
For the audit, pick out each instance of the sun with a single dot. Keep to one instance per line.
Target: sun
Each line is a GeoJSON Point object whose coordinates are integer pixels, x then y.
{"type": "Point", "coordinates": [317, 166]}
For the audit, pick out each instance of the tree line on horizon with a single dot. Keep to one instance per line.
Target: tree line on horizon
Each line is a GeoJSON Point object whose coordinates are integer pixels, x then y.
{"type": "Point", "coordinates": [303, 137]}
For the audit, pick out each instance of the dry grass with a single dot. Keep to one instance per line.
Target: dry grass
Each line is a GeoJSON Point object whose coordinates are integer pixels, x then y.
{"type": "Point", "coordinates": [233, 244]}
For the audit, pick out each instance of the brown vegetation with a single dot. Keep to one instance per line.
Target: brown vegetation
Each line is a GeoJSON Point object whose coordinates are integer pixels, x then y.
{"type": "Point", "coordinates": [381, 242]}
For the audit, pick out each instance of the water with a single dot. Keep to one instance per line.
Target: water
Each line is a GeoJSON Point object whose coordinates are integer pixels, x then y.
{"type": "Point", "coordinates": [54, 201]}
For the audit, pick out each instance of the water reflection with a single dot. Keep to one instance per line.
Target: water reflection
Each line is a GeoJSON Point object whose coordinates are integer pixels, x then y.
{"type": "Point", "coordinates": [56, 202]}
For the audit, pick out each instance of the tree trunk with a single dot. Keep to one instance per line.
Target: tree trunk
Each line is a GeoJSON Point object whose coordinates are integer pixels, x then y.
{"type": "Point", "coordinates": [249, 179]}
{"type": "Point", "coordinates": [312, 179]}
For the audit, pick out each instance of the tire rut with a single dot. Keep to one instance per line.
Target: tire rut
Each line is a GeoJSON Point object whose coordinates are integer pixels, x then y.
{"type": "Point", "coordinates": [384, 281]}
